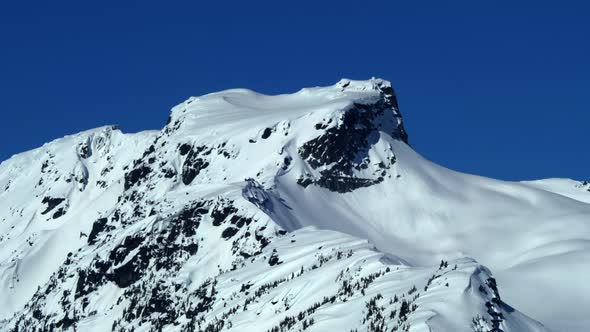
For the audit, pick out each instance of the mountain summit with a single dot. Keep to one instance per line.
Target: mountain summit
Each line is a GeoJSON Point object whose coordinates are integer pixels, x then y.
{"type": "Point", "coordinates": [296, 212]}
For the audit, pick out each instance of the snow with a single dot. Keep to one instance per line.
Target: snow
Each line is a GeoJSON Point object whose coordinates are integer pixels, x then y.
{"type": "Point", "coordinates": [566, 187]}
{"type": "Point", "coordinates": [277, 163]}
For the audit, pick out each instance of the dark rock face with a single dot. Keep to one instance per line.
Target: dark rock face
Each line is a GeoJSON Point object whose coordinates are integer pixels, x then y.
{"type": "Point", "coordinates": [120, 252]}
{"type": "Point", "coordinates": [91, 278]}
{"type": "Point", "coordinates": [220, 213]}
{"type": "Point", "coordinates": [136, 175]}
{"type": "Point", "coordinates": [304, 181]}
{"type": "Point", "coordinates": [229, 232]}
{"type": "Point", "coordinates": [494, 307]}
{"type": "Point", "coordinates": [341, 144]}
{"type": "Point", "coordinates": [194, 163]}
{"type": "Point", "coordinates": [266, 133]}
{"type": "Point", "coordinates": [274, 259]}
{"type": "Point", "coordinates": [240, 221]}
{"type": "Point", "coordinates": [60, 212]}
{"type": "Point", "coordinates": [132, 271]}
{"type": "Point", "coordinates": [98, 227]}
{"type": "Point", "coordinates": [286, 163]}
{"type": "Point", "coordinates": [84, 150]}
{"type": "Point", "coordinates": [45, 166]}
{"type": "Point", "coordinates": [344, 149]}
{"type": "Point", "coordinates": [169, 173]}
{"type": "Point", "coordinates": [189, 219]}
{"type": "Point", "coordinates": [52, 202]}
{"type": "Point", "coordinates": [344, 184]}
{"type": "Point", "coordinates": [390, 102]}
{"type": "Point", "coordinates": [184, 149]}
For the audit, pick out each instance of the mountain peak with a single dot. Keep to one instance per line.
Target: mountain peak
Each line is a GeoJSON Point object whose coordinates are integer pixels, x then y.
{"type": "Point", "coordinates": [324, 134]}
{"type": "Point", "coordinates": [363, 85]}
{"type": "Point", "coordinates": [244, 111]}
{"type": "Point", "coordinates": [271, 213]}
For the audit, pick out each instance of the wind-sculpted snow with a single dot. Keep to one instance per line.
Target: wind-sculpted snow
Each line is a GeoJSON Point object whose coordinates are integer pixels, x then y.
{"type": "Point", "coordinates": [296, 212]}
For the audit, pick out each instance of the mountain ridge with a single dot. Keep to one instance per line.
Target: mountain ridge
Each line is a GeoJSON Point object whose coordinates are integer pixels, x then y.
{"type": "Point", "coordinates": [147, 227]}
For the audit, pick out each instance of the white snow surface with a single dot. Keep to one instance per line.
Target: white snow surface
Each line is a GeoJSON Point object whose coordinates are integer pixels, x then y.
{"type": "Point", "coordinates": [306, 211]}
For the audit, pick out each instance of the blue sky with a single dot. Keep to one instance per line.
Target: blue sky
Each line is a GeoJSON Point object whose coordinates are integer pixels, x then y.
{"type": "Point", "coordinates": [493, 88]}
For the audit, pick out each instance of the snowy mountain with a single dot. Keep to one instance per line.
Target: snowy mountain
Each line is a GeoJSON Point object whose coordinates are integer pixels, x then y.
{"type": "Point", "coordinates": [299, 212]}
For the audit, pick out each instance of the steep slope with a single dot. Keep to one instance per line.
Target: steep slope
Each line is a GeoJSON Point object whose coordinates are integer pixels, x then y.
{"type": "Point", "coordinates": [252, 212]}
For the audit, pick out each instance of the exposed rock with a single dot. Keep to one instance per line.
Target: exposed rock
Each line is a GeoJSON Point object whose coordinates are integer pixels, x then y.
{"type": "Point", "coordinates": [51, 202]}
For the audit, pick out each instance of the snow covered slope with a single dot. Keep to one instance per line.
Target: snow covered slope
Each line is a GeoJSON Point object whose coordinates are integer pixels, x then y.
{"type": "Point", "coordinates": [306, 211]}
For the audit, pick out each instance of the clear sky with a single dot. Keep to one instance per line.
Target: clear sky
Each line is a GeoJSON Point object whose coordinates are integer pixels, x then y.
{"type": "Point", "coordinates": [496, 88]}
